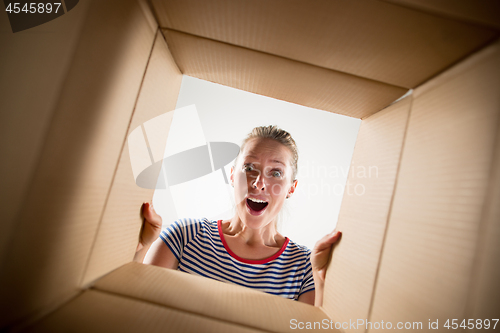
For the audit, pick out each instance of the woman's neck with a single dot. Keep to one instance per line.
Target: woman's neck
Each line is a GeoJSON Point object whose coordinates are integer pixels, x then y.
{"type": "Point", "coordinates": [265, 236]}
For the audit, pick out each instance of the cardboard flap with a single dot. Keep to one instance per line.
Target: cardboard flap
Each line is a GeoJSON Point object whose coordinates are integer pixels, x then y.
{"type": "Point", "coordinates": [436, 234]}
{"type": "Point", "coordinates": [214, 299]}
{"type": "Point", "coordinates": [57, 225]}
{"type": "Point", "coordinates": [279, 77]}
{"type": "Point", "coordinates": [117, 236]}
{"type": "Point", "coordinates": [95, 311]}
{"type": "Point", "coordinates": [370, 39]}
{"type": "Point", "coordinates": [364, 213]}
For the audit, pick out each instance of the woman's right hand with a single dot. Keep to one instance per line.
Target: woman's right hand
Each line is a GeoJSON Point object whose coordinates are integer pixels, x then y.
{"type": "Point", "coordinates": [159, 253]}
{"type": "Point", "coordinates": [151, 226]}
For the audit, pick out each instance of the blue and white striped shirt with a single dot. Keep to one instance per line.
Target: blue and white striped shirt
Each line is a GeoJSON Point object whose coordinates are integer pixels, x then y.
{"type": "Point", "coordinates": [200, 248]}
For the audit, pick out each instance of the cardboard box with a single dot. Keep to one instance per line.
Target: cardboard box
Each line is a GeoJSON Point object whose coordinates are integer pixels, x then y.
{"type": "Point", "coordinates": [419, 246]}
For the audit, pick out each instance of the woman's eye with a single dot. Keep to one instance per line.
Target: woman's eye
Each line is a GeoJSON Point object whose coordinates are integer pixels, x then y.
{"type": "Point", "coordinates": [276, 173]}
{"type": "Point", "coordinates": [248, 167]}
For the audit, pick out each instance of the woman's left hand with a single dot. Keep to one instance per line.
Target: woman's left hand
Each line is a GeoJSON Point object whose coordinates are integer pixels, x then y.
{"type": "Point", "coordinates": [319, 263]}
{"type": "Point", "coordinates": [321, 253]}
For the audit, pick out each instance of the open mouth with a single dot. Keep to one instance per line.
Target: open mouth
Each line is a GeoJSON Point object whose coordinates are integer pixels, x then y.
{"type": "Point", "coordinates": [256, 205]}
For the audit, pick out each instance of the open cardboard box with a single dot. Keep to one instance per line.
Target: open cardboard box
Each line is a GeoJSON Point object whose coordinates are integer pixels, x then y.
{"type": "Point", "coordinates": [421, 245]}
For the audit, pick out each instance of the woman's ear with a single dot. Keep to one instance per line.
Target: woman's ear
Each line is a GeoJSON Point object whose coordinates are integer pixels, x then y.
{"type": "Point", "coordinates": [232, 176]}
{"type": "Point", "coordinates": [292, 188]}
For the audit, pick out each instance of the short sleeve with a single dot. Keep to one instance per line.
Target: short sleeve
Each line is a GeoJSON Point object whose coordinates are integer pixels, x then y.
{"type": "Point", "coordinates": [177, 235]}
{"type": "Point", "coordinates": [308, 281]}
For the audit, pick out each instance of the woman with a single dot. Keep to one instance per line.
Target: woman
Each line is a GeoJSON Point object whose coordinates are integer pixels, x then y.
{"type": "Point", "coordinates": [246, 249]}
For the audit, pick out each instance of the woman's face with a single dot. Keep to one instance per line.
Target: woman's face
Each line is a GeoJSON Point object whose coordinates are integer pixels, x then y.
{"type": "Point", "coordinates": [262, 179]}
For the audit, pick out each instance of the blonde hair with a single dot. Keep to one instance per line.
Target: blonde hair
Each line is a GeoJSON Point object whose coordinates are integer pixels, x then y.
{"type": "Point", "coordinates": [273, 132]}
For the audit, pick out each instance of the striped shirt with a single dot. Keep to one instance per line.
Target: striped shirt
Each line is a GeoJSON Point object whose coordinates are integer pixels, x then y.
{"type": "Point", "coordinates": [200, 248]}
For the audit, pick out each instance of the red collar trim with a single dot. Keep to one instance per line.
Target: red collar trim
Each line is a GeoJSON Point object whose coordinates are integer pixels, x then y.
{"type": "Point", "coordinates": [249, 261]}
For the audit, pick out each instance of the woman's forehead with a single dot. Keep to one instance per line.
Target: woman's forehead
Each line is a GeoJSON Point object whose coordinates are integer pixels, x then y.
{"type": "Point", "coordinates": [268, 149]}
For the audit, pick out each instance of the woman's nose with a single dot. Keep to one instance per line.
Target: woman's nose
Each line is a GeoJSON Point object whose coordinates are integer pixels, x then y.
{"type": "Point", "coordinates": [258, 183]}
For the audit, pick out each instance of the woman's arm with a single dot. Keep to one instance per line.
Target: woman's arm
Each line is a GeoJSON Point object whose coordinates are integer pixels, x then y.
{"type": "Point", "coordinates": [319, 262]}
{"type": "Point", "coordinates": [160, 255]}
{"type": "Point", "coordinates": [307, 297]}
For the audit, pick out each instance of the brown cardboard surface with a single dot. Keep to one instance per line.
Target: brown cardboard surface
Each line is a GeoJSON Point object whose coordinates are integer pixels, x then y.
{"type": "Point", "coordinates": [59, 217]}
{"type": "Point", "coordinates": [484, 293]}
{"type": "Point", "coordinates": [278, 77]}
{"type": "Point", "coordinates": [33, 67]}
{"type": "Point", "coordinates": [116, 239]}
{"type": "Point", "coordinates": [95, 311]}
{"type": "Point", "coordinates": [207, 297]}
{"type": "Point", "coordinates": [146, 9]}
{"type": "Point", "coordinates": [367, 38]}
{"type": "Point", "coordinates": [427, 265]}
{"type": "Point", "coordinates": [364, 214]}
{"type": "Point", "coordinates": [457, 70]}
{"type": "Point", "coordinates": [483, 12]}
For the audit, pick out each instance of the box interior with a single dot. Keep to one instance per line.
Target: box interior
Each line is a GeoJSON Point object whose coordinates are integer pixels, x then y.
{"type": "Point", "coordinates": [419, 245]}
